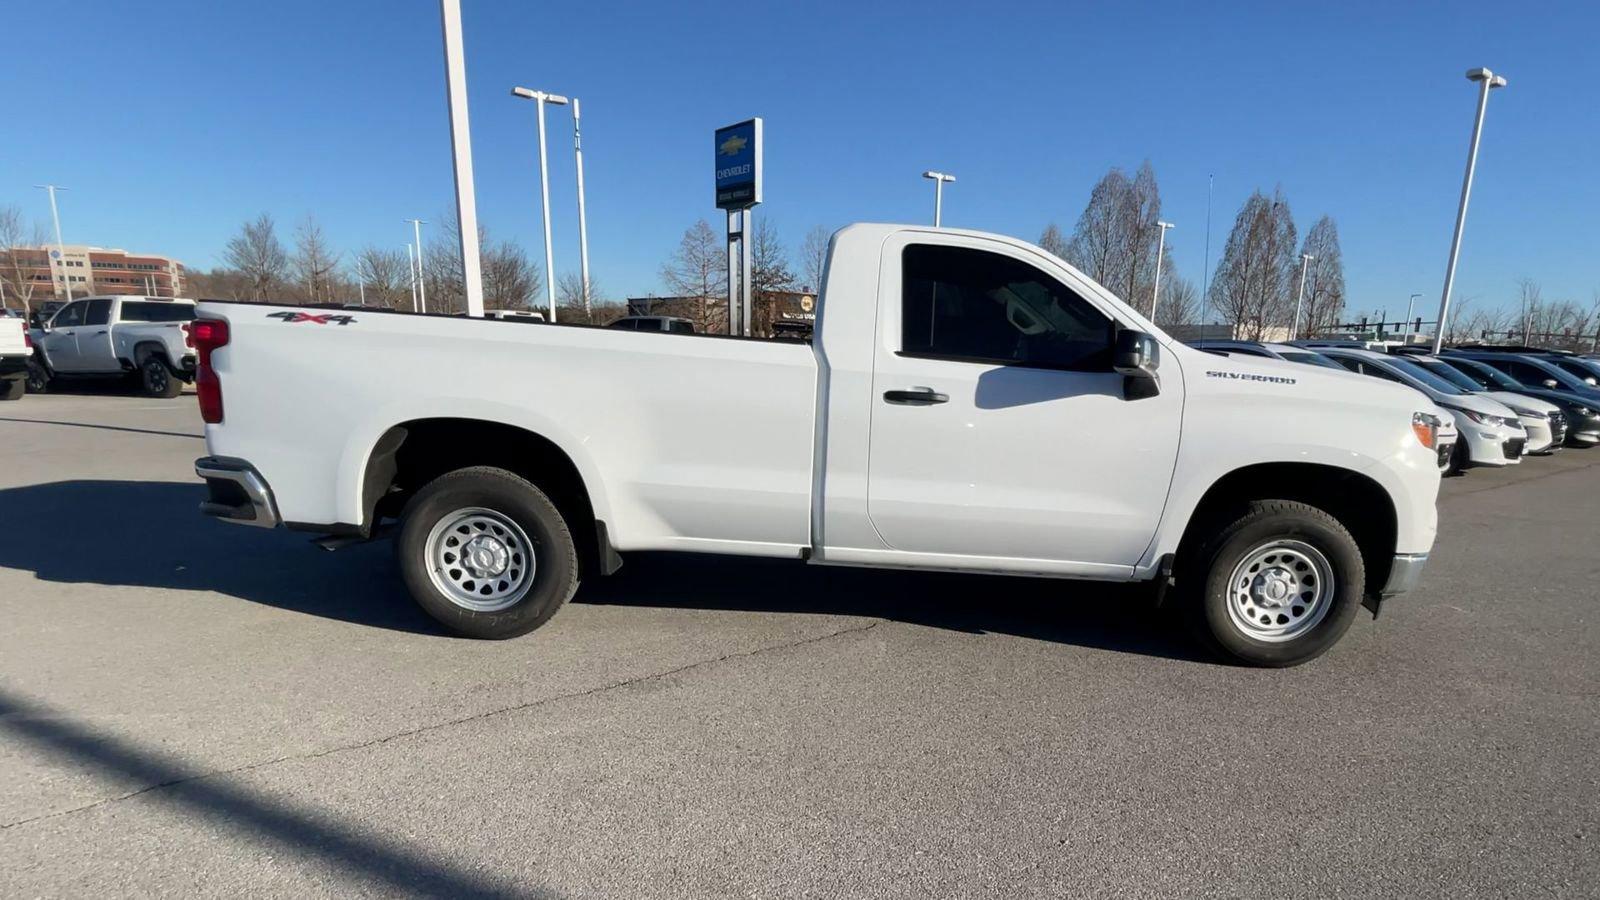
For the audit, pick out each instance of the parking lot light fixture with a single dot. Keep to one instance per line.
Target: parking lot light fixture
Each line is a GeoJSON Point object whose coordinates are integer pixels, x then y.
{"type": "Point", "coordinates": [61, 250]}
{"type": "Point", "coordinates": [540, 98]}
{"type": "Point", "coordinates": [1300, 295]}
{"type": "Point", "coordinates": [1487, 81]}
{"type": "Point", "coordinates": [421, 288]}
{"type": "Point", "coordinates": [1161, 247]}
{"type": "Point", "coordinates": [939, 179]}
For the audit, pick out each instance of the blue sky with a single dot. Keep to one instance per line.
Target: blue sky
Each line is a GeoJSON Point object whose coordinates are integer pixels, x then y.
{"type": "Point", "coordinates": [179, 120]}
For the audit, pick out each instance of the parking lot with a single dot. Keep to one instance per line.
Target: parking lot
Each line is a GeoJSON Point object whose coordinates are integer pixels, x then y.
{"type": "Point", "coordinates": [188, 707]}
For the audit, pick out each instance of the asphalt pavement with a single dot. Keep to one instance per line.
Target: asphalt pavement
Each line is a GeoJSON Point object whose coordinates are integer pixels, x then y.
{"type": "Point", "coordinates": [192, 708]}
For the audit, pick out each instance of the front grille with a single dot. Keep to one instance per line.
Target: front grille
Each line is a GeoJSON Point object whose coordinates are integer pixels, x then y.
{"type": "Point", "coordinates": [1513, 448]}
{"type": "Point", "coordinates": [1558, 428]}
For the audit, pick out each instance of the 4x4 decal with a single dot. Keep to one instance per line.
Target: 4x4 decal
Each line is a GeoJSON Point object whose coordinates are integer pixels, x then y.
{"type": "Point", "coordinates": [315, 318]}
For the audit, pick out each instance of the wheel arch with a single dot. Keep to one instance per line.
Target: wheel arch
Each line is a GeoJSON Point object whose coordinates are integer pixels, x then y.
{"type": "Point", "coordinates": [1359, 502]}
{"type": "Point", "coordinates": [409, 454]}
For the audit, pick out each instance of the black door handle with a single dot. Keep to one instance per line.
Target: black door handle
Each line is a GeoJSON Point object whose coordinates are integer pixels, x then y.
{"type": "Point", "coordinates": [915, 397]}
{"type": "Point", "coordinates": [98, 333]}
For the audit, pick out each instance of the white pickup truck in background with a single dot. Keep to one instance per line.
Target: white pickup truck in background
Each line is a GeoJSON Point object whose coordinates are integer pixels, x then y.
{"type": "Point", "coordinates": [969, 403]}
{"type": "Point", "coordinates": [117, 336]}
{"type": "Point", "coordinates": [16, 348]}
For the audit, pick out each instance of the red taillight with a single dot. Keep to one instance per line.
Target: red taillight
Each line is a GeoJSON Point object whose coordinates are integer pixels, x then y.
{"type": "Point", "coordinates": [207, 335]}
{"type": "Point", "coordinates": [27, 339]}
{"type": "Point", "coordinates": [188, 334]}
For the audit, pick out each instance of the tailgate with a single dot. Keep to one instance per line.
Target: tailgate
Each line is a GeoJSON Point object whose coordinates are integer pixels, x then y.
{"type": "Point", "coordinates": [13, 337]}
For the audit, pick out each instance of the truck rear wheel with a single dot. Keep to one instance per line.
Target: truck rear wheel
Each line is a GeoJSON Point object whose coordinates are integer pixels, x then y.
{"type": "Point", "coordinates": [1282, 583]}
{"type": "Point", "coordinates": [486, 553]}
{"type": "Point", "coordinates": [157, 380]}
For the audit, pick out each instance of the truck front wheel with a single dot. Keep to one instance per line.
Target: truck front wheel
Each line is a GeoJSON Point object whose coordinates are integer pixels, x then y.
{"type": "Point", "coordinates": [1282, 583]}
{"type": "Point", "coordinates": [486, 553]}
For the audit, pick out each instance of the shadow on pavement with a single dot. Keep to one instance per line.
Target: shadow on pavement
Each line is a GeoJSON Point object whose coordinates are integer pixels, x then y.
{"type": "Point", "coordinates": [305, 833]}
{"type": "Point", "coordinates": [151, 534]}
{"type": "Point", "coordinates": [1116, 617]}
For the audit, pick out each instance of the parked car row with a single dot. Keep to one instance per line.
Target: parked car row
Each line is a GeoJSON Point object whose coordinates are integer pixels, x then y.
{"type": "Point", "coordinates": [1505, 403]}
{"type": "Point", "coordinates": [146, 338]}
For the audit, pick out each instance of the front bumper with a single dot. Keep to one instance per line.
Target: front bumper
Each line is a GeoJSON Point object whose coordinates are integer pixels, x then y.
{"type": "Point", "coordinates": [1404, 573]}
{"type": "Point", "coordinates": [236, 492]}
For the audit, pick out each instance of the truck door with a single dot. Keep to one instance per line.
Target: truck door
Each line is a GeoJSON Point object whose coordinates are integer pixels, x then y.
{"type": "Point", "coordinates": [94, 338]}
{"type": "Point", "coordinates": [999, 428]}
{"type": "Point", "coordinates": [61, 341]}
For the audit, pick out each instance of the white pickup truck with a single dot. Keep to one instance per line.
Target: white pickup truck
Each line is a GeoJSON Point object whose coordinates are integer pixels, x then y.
{"type": "Point", "coordinates": [117, 336]}
{"type": "Point", "coordinates": [969, 403]}
{"type": "Point", "coordinates": [16, 348]}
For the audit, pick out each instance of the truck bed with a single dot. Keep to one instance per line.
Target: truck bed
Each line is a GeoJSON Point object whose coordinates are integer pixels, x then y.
{"type": "Point", "coordinates": [695, 441]}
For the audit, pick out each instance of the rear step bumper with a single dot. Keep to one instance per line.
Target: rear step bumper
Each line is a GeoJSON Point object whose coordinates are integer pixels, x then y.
{"type": "Point", "coordinates": [236, 492]}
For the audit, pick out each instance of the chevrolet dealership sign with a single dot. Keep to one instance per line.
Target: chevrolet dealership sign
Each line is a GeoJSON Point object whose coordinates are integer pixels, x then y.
{"type": "Point", "coordinates": [738, 155]}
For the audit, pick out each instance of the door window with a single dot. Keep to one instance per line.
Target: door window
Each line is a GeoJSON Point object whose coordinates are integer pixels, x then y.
{"type": "Point", "coordinates": [70, 315]}
{"type": "Point", "coordinates": [976, 306]}
{"type": "Point", "coordinates": [99, 312]}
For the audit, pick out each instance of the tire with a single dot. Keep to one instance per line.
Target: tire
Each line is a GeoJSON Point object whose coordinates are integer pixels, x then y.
{"type": "Point", "coordinates": [1299, 548]}
{"type": "Point", "coordinates": [38, 380]}
{"type": "Point", "coordinates": [1459, 458]}
{"type": "Point", "coordinates": [13, 388]}
{"type": "Point", "coordinates": [157, 380]}
{"type": "Point", "coordinates": [491, 514]}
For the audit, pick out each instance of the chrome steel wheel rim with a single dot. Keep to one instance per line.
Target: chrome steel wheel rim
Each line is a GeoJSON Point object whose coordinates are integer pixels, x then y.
{"type": "Point", "coordinates": [1280, 590]}
{"type": "Point", "coordinates": [480, 559]}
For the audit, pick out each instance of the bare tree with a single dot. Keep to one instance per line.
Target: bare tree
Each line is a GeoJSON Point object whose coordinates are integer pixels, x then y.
{"type": "Point", "coordinates": [314, 261]}
{"type": "Point", "coordinates": [1115, 239]}
{"type": "Point", "coordinates": [814, 256]}
{"type": "Point", "coordinates": [769, 261]}
{"type": "Point", "coordinates": [1250, 288]}
{"type": "Point", "coordinates": [1180, 300]}
{"type": "Point", "coordinates": [510, 279]}
{"type": "Point", "coordinates": [256, 253]}
{"type": "Point", "coordinates": [698, 269]}
{"type": "Point", "coordinates": [17, 284]}
{"type": "Point", "coordinates": [1529, 297]}
{"type": "Point", "coordinates": [1324, 296]}
{"type": "Point", "coordinates": [385, 276]}
{"type": "Point", "coordinates": [1052, 242]}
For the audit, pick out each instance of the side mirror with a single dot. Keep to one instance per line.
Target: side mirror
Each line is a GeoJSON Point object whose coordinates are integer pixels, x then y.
{"type": "Point", "coordinates": [1551, 383]}
{"type": "Point", "coordinates": [1136, 357]}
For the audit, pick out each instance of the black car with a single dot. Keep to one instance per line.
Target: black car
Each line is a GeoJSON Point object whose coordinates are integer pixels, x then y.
{"type": "Point", "coordinates": [1582, 411]}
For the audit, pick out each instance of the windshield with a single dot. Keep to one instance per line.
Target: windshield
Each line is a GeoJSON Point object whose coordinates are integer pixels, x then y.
{"type": "Point", "coordinates": [1449, 373]}
{"type": "Point", "coordinates": [1410, 368]}
{"type": "Point", "coordinates": [1310, 359]}
{"type": "Point", "coordinates": [1487, 376]}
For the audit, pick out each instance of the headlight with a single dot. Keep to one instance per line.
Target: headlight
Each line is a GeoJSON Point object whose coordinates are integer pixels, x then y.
{"type": "Point", "coordinates": [1426, 428]}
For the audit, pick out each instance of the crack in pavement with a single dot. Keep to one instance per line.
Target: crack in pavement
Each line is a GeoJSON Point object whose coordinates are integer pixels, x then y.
{"type": "Point", "coordinates": [423, 729]}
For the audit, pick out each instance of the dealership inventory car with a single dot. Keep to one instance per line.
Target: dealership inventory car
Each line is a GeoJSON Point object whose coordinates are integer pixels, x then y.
{"type": "Point", "coordinates": [98, 337]}
{"type": "Point", "coordinates": [1491, 433]}
{"type": "Point", "coordinates": [1531, 369]}
{"type": "Point", "coordinates": [1545, 422]}
{"type": "Point", "coordinates": [1583, 413]}
{"type": "Point", "coordinates": [1285, 352]}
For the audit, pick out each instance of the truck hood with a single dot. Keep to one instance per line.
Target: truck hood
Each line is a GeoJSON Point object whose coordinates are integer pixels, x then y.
{"type": "Point", "coordinates": [1522, 401]}
{"type": "Point", "coordinates": [1254, 378]}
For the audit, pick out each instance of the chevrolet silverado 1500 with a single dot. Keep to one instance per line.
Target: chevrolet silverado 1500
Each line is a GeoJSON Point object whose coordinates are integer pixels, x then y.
{"type": "Point", "coordinates": [969, 403]}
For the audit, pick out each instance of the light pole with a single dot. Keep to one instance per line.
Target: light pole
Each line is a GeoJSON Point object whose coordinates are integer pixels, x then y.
{"type": "Point", "coordinates": [1300, 295]}
{"type": "Point", "coordinates": [411, 270]}
{"type": "Point", "coordinates": [455, 79]}
{"type": "Point", "coordinates": [939, 179]}
{"type": "Point", "coordinates": [1487, 81]}
{"type": "Point", "coordinates": [1410, 302]}
{"type": "Point", "coordinates": [583, 222]}
{"type": "Point", "coordinates": [61, 250]}
{"type": "Point", "coordinates": [540, 98]}
{"type": "Point", "coordinates": [1205, 267]}
{"type": "Point", "coordinates": [422, 286]}
{"type": "Point", "coordinates": [1161, 247]}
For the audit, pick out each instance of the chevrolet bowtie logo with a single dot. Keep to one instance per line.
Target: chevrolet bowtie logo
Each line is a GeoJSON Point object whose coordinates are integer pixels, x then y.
{"type": "Point", "coordinates": [732, 146]}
